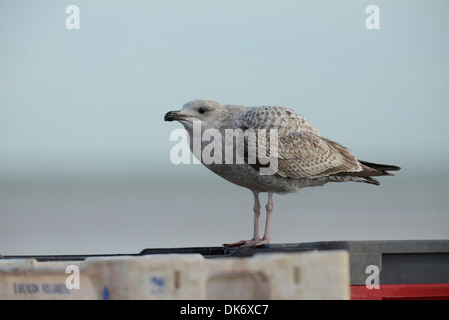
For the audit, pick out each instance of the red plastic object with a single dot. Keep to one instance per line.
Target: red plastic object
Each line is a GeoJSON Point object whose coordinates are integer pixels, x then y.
{"type": "Point", "coordinates": [433, 291]}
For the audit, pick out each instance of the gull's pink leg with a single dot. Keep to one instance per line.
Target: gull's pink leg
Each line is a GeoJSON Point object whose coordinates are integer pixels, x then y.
{"type": "Point", "coordinates": [256, 241]}
{"type": "Point", "coordinates": [269, 207]}
{"type": "Point", "coordinates": [256, 215]}
{"type": "Point", "coordinates": [256, 237]}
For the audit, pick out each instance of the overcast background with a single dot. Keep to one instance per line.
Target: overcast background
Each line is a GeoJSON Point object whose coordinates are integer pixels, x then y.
{"type": "Point", "coordinates": [84, 151]}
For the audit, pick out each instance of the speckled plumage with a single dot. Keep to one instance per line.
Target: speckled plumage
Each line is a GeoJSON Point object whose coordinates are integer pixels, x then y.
{"type": "Point", "coordinates": [304, 159]}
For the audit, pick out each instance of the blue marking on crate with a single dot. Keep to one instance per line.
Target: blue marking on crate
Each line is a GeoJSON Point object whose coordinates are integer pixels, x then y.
{"type": "Point", "coordinates": [105, 293]}
{"type": "Point", "coordinates": [158, 284]}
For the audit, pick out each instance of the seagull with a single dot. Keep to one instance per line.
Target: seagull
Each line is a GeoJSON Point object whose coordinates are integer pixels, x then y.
{"type": "Point", "coordinates": [303, 157]}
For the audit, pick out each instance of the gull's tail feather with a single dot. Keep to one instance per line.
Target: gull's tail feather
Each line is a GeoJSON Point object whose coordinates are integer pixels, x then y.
{"type": "Point", "coordinates": [370, 170]}
{"type": "Point", "coordinates": [381, 167]}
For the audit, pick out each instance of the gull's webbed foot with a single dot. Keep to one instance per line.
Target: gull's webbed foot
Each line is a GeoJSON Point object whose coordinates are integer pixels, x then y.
{"type": "Point", "coordinates": [253, 243]}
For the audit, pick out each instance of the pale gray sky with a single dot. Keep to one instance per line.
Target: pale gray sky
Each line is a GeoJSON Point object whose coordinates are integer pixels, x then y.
{"type": "Point", "coordinates": [92, 100]}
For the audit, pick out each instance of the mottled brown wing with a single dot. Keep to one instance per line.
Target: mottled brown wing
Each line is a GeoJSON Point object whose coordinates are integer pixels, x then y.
{"type": "Point", "coordinates": [302, 153]}
{"type": "Point", "coordinates": [283, 119]}
{"type": "Point", "coordinates": [307, 155]}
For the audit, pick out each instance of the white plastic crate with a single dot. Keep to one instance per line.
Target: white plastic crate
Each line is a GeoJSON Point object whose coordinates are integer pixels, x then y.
{"type": "Point", "coordinates": [310, 275]}
{"type": "Point", "coordinates": [168, 276]}
{"type": "Point", "coordinates": [27, 279]}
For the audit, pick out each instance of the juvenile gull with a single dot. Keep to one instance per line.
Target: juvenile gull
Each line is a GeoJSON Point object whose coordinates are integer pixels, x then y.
{"type": "Point", "coordinates": [304, 158]}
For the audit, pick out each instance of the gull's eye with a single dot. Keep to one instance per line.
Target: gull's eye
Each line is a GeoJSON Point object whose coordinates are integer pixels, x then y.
{"type": "Point", "coordinates": [201, 110]}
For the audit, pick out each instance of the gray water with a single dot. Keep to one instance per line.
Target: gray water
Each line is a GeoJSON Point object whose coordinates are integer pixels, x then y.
{"type": "Point", "coordinates": [127, 216]}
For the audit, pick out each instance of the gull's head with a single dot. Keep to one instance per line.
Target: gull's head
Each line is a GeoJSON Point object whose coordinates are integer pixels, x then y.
{"type": "Point", "coordinates": [211, 114]}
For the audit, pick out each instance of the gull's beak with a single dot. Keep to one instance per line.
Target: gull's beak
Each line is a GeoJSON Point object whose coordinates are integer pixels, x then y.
{"type": "Point", "coordinates": [173, 115]}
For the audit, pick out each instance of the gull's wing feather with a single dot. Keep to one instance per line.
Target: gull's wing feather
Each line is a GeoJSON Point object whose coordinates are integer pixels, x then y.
{"type": "Point", "coordinates": [301, 152]}
{"type": "Point", "coordinates": [307, 155]}
{"type": "Point", "coordinates": [283, 119]}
